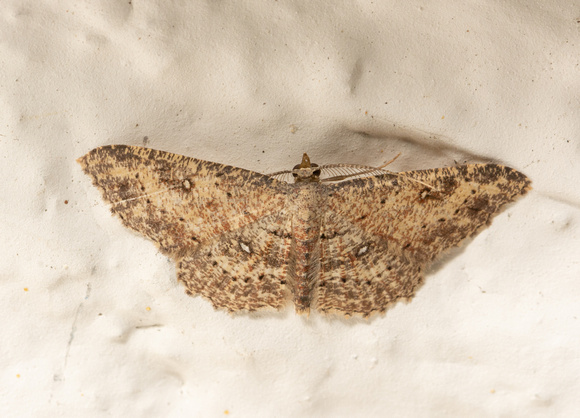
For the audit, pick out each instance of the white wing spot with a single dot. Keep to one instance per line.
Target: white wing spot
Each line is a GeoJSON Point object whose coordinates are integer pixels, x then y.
{"type": "Point", "coordinates": [245, 247]}
{"type": "Point", "coordinates": [362, 250]}
{"type": "Point", "coordinates": [186, 184]}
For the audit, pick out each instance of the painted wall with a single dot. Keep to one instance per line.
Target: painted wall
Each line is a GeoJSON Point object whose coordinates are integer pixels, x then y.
{"type": "Point", "coordinates": [93, 320]}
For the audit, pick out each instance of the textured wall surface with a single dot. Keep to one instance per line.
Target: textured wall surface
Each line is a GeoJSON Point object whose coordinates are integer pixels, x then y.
{"type": "Point", "coordinates": [93, 320]}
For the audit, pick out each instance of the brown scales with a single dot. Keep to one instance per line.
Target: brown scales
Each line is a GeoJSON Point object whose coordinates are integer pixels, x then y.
{"type": "Point", "coordinates": [247, 241]}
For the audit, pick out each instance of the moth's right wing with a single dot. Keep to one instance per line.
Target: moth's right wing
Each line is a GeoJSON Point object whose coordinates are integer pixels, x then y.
{"type": "Point", "coordinates": [242, 270]}
{"type": "Point", "coordinates": [179, 202]}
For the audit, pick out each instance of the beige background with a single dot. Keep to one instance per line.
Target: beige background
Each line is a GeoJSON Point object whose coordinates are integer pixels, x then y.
{"type": "Point", "coordinates": [93, 321]}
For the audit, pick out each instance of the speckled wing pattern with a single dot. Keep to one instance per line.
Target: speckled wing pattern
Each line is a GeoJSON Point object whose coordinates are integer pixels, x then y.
{"type": "Point", "coordinates": [246, 241]}
{"type": "Point", "coordinates": [203, 215]}
{"type": "Point", "coordinates": [380, 232]}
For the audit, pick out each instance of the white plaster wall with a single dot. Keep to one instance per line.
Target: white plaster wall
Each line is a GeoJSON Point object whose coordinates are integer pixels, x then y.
{"type": "Point", "coordinates": [93, 322]}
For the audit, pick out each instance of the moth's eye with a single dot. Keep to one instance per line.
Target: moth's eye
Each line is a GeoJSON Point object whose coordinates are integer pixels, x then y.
{"type": "Point", "coordinates": [295, 175]}
{"type": "Point", "coordinates": [316, 173]}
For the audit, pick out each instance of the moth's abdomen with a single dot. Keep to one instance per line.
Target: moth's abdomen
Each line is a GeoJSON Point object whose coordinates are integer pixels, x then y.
{"type": "Point", "coordinates": [304, 260]}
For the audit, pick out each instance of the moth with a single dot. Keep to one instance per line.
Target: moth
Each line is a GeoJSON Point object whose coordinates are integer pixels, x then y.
{"type": "Point", "coordinates": [340, 238]}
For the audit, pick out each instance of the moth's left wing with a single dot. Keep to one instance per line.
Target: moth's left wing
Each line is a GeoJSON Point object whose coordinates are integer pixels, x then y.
{"type": "Point", "coordinates": [420, 214]}
{"type": "Point", "coordinates": [380, 232]}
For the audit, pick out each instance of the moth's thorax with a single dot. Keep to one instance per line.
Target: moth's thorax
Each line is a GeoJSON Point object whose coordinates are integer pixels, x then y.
{"type": "Point", "coordinates": [307, 208]}
{"type": "Point", "coordinates": [307, 201]}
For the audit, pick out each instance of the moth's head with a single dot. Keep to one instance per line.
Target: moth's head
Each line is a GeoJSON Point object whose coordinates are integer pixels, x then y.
{"type": "Point", "coordinates": [306, 172]}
